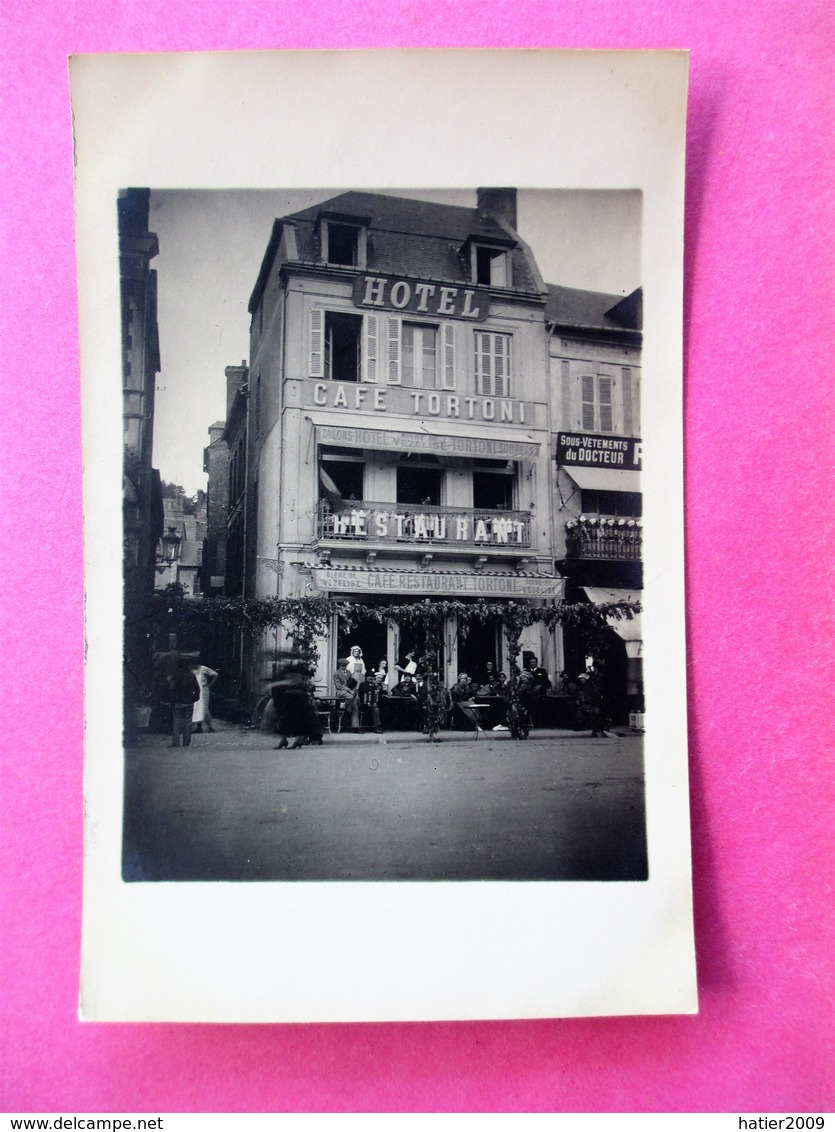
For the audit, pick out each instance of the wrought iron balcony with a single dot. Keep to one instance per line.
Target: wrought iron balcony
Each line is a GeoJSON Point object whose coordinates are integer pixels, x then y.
{"type": "Point", "coordinates": [600, 536]}
{"type": "Point", "coordinates": [424, 525]}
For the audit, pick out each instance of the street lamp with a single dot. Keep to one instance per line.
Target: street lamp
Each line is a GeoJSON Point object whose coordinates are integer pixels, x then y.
{"type": "Point", "coordinates": [170, 550]}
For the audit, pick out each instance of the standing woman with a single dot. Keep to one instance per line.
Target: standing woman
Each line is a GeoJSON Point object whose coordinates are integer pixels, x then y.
{"type": "Point", "coordinates": [205, 677]}
{"type": "Point", "coordinates": [382, 673]}
{"type": "Point", "coordinates": [356, 665]}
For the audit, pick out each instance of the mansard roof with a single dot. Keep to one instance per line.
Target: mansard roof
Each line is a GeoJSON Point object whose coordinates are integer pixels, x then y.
{"type": "Point", "coordinates": [409, 237]}
{"type": "Point", "coordinates": [571, 308]}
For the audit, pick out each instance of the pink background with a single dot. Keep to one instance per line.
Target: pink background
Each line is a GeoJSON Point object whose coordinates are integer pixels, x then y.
{"type": "Point", "coordinates": [758, 326]}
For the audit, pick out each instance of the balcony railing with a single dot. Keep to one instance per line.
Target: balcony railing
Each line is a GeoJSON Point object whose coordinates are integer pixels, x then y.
{"type": "Point", "coordinates": [425, 525]}
{"type": "Point", "coordinates": [599, 536]}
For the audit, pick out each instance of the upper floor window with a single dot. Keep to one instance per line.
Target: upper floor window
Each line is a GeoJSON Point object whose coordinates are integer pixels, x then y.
{"type": "Point", "coordinates": [493, 484]}
{"type": "Point", "coordinates": [419, 355]}
{"type": "Point", "coordinates": [623, 504]}
{"type": "Point", "coordinates": [388, 350]}
{"type": "Point", "coordinates": [419, 481]}
{"type": "Point", "coordinates": [489, 266]}
{"type": "Point", "coordinates": [597, 410]}
{"type": "Point", "coordinates": [343, 338]}
{"type": "Point", "coordinates": [493, 361]}
{"type": "Point", "coordinates": [341, 473]}
{"type": "Point", "coordinates": [343, 243]}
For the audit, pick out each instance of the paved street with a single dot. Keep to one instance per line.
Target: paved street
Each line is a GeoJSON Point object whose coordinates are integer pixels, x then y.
{"type": "Point", "coordinates": [391, 807]}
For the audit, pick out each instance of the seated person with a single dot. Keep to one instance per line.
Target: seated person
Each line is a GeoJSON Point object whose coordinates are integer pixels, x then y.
{"type": "Point", "coordinates": [405, 694]}
{"type": "Point", "coordinates": [461, 694]}
{"type": "Point", "coordinates": [372, 691]}
{"type": "Point", "coordinates": [490, 680]}
{"type": "Point", "coordinates": [406, 688]}
{"type": "Point", "coordinates": [346, 693]}
{"type": "Point", "coordinates": [541, 681]}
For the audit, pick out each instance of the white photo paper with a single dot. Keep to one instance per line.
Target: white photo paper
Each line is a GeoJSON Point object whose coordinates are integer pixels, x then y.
{"type": "Point", "coordinates": [385, 696]}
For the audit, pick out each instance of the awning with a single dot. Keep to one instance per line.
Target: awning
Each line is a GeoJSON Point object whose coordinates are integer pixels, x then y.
{"type": "Point", "coordinates": [627, 628]}
{"type": "Point", "coordinates": [400, 434]}
{"type": "Point", "coordinates": [604, 479]}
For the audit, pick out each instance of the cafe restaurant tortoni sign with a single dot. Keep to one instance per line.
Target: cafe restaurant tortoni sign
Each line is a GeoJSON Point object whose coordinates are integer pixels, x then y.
{"type": "Point", "coordinates": [415, 296]}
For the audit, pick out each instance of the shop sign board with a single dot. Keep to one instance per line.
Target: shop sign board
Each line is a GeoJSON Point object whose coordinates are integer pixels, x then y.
{"type": "Point", "coordinates": [431, 583]}
{"type": "Point", "coordinates": [349, 436]}
{"type": "Point", "coordinates": [416, 296]}
{"type": "Point", "coordinates": [591, 450]}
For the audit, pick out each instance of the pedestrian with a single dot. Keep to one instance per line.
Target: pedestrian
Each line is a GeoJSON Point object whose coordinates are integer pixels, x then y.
{"type": "Point", "coordinates": [590, 710]}
{"type": "Point", "coordinates": [295, 711]}
{"type": "Point", "coordinates": [205, 677]}
{"type": "Point", "coordinates": [183, 693]}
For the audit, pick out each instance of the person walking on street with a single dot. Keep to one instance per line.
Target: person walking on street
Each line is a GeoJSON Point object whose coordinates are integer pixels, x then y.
{"type": "Point", "coordinates": [183, 694]}
{"type": "Point", "coordinates": [205, 677]}
{"type": "Point", "coordinates": [295, 711]}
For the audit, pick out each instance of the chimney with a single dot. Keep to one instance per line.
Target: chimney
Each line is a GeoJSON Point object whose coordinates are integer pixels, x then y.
{"type": "Point", "coordinates": [498, 203]}
{"type": "Point", "coordinates": [236, 378]}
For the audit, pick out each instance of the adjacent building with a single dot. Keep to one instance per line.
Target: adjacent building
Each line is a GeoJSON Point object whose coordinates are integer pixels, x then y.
{"type": "Point", "coordinates": [141, 495]}
{"type": "Point", "coordinates": [595, 365]}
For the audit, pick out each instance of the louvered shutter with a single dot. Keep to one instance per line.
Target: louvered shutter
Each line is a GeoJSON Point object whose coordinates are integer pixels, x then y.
{"type": "Point", "coordinates": [501, 371]}
{"type": "Point", "coordinates": [626, 377]}
{"type": "Point", "coordinates": [393, 368]}
{"type": "Point", "coordinates": [587, 410]}
{"type": "Point", "coordinates": [484, 364]}
{"type": "Point", "coordinates": [316, 362]}
{"type": "Point", "coordinates": [370, 360]}
{"type": "Point", "coordinates": [604, 388]}
{"type": "Point", "coordinates": [448, 359]}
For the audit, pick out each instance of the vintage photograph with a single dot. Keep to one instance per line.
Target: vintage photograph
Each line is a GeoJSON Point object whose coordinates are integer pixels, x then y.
{"type": "Point", "coordinates": [382, 535]}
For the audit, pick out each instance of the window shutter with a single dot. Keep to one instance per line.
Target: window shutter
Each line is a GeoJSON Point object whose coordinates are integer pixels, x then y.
{"type": "Point", "coordinates": [604, 386]}
{"type": "Point", "coordinates": [626, 375]}
{"type": "Point", "coordinates": [393, 371]}
{"type": "Point", "coordinates": [371, 323]}
{"type": "Point", "coordinates": [587, 413]}
{"type": "Point", "coordinates": [501, 386]}
{"type": "Point", "coordinates": [498, 269]}
{"type": "Point", "coordinates": [448, 363]}
{"type": "Point", "coordinates": [316, 366]}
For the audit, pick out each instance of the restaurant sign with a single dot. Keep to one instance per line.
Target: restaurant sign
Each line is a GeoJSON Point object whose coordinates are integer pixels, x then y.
{"type": "Point", "coordinates": [428, 583]}
{"type": "Point", "coordinates": [592, 451]}
{"type": "Point", "coordinates": [415, 296]}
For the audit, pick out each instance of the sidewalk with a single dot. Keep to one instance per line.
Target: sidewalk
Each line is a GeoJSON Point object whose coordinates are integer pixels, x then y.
{"type": "Point", "coordinates": [234, 736]}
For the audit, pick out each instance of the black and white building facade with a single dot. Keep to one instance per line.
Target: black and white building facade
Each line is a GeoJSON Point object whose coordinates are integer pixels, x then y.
{"type": "Point", "coordinates": [409, 361]}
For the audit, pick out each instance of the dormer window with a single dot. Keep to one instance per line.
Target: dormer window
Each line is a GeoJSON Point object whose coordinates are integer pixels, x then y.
{"type": "Point", "coordinates": [343, 241]}
{"type": "Point", "coordinates": [489, 266]}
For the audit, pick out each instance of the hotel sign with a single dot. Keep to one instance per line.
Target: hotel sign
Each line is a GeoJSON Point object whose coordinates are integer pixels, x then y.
{"type": "Point", "coordinates": [415, 296]}
{"type": "Point", "coordinates": [436, 584]}
{"type": "Point", "coordinates": [588, 450]}
{"type": "Point", "coordinates": [347, 436]}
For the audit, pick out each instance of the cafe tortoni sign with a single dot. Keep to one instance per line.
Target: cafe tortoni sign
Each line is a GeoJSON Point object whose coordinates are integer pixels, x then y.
{"type": "Point", "coordinates": [388, 292]}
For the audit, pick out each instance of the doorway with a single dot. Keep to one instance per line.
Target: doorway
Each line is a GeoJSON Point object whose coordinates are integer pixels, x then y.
{"type": "Point", "coordinates": [371, 636]}
{"type": "Point", "coordinates": [476, 646]}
